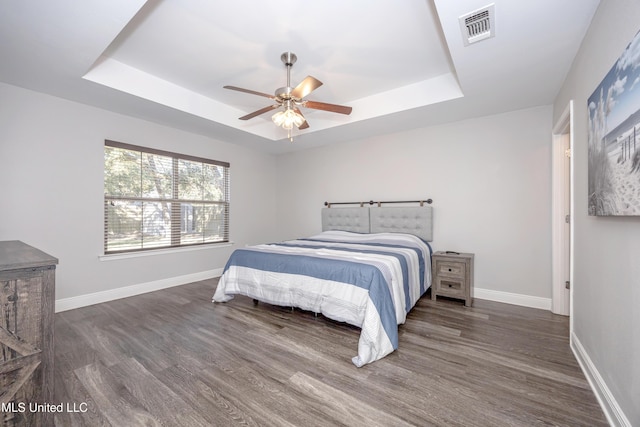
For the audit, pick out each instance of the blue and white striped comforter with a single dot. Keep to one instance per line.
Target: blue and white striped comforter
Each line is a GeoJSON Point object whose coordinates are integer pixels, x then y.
{"type": "Point", "coordinates": [367, 280]}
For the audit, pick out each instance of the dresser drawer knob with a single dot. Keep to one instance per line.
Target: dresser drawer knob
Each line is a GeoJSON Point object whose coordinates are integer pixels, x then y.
{"type": "Point", "coordinates": [449, 269]}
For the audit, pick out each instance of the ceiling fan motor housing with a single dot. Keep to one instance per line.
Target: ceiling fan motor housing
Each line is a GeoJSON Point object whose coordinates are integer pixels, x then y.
{"type": "Point", "coordinates": [284, 93]}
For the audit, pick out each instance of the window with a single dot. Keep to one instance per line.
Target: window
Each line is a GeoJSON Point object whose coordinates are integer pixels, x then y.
{"type": "Point", "coordinates": [158, 199]}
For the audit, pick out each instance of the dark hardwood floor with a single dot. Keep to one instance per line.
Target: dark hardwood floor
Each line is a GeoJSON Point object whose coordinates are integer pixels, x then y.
{"type": "Point", "coordinates": [173, 358]}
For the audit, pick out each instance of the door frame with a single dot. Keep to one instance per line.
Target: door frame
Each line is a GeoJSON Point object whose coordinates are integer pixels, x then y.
{"type": "Point", "coordinates": [562, 301]}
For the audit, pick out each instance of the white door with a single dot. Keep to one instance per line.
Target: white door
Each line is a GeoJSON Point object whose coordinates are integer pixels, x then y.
{"type": "Point", "coordinates": [562, 214]}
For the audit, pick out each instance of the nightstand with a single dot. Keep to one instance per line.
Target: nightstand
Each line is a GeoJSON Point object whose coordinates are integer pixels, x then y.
{"type": "Point", "coordinates": [452, 276]}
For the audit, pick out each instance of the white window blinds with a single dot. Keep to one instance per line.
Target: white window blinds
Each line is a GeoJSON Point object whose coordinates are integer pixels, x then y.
{"type": "Point", "coordinates": [158, 199]}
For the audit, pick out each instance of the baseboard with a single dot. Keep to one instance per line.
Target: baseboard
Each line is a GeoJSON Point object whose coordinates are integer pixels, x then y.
{"type": "Point", "coordinates": [609, 405]}
{"type": "Point", "coordinates": [129, 291]}
{"type": "Point", "coordinates": [515, 299]}
{"type": "Point", "coordinates": [65, 304]}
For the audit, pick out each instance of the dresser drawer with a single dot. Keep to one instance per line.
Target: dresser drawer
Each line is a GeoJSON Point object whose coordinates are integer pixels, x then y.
{"type": "Point", "coordinates": [450, 269]}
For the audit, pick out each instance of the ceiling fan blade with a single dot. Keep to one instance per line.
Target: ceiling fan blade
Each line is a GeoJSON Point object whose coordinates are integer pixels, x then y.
{"type": "Point", "coordinates": [308, 85]}
{"type": "Point", "coordinates": [304, 125]}
{"type": "Point", "coordinates": [253, 92]}
{"type": "Point", "coordinates": [327, 107]}
{"type": "Point", "coordinates": [259, 112]}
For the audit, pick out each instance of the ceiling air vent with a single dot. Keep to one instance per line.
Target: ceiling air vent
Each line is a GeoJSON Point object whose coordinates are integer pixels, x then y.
{"type": "Point", "coordinates": [478, 25]}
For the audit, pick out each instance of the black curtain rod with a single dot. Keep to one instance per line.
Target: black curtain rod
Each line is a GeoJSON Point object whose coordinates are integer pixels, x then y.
{"type": "Point", "coordinates": [371, 202]}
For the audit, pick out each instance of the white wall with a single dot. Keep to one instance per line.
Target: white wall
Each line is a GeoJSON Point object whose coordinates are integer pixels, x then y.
{"type": "Point", "coordinates": [606, 283]}
{"type": "Point", "coordinates": [490, 179]}
{"type": "Point", "coordinates": [51, 190]}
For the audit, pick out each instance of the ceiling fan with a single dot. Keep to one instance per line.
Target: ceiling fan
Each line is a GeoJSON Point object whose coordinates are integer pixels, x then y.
{"type": "Point", "coordinates": [291, 98]}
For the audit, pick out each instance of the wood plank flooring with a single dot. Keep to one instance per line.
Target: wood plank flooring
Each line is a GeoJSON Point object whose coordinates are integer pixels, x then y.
{"type": "Point", "coordinates": [173, 358]}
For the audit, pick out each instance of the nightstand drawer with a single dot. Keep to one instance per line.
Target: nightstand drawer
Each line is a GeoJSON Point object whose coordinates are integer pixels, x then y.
{"type": "Point", "coordinates": [450, 269]}
{"type": "Point", "coordinates": [451, 287]}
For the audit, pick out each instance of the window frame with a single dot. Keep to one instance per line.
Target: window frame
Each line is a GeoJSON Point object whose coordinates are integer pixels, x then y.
{"type": "Point", "coordinates": [174, 200]}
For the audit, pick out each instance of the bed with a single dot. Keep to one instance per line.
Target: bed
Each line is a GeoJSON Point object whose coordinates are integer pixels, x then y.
{"type": "Point", "coordinates": [368, 268]}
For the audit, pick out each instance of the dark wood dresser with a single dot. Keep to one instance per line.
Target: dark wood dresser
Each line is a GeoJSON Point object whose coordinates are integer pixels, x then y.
{"type": "Point", "coordinates": [27, 298]}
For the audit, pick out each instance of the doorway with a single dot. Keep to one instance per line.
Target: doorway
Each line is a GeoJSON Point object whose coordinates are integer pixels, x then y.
{"type": "Point", "coordinates": [562, 213]}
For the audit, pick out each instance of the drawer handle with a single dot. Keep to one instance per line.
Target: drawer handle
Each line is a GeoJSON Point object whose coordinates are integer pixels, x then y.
{"type": "Point", "coordinates": [449, 269]}
{"type": "Point", "coordinates": [450, 285]}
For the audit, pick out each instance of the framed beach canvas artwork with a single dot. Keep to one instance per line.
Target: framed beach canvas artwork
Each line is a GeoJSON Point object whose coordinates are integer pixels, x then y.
{"type": "Point", "coordinates": [614, 138]}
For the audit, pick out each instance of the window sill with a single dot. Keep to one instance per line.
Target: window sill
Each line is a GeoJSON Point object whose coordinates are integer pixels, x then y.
{"type": "Point", "coordinates": [153, 252]}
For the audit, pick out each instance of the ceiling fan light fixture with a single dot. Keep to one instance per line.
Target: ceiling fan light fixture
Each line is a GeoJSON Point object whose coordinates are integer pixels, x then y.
{"type": "Point", "coordinates": [287, 119]}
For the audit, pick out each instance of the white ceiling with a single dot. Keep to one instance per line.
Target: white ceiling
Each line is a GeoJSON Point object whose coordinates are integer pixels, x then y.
{"type": "Point", "coordinates": [399, 64]}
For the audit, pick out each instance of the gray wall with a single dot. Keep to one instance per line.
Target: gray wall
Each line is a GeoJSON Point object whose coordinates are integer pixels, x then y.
{"type": "Point", "coordinates": [490, 179]}
{"type": "Point", "coordinates": [606, 286]}
{"type": "Point", "coordinates": [52, 154]}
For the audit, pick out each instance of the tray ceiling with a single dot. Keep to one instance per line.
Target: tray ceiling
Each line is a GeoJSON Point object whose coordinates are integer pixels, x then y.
{"type": "Point", "coordinates": [398, 64]}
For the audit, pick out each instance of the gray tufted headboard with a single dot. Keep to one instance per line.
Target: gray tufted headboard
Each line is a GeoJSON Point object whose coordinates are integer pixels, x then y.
{"type": "Point", "coordinates": [411, 220]}
{"type": "Point", "coordinates": [346, 219]}
{"type": "Point", "coordinates": [416, 220]}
